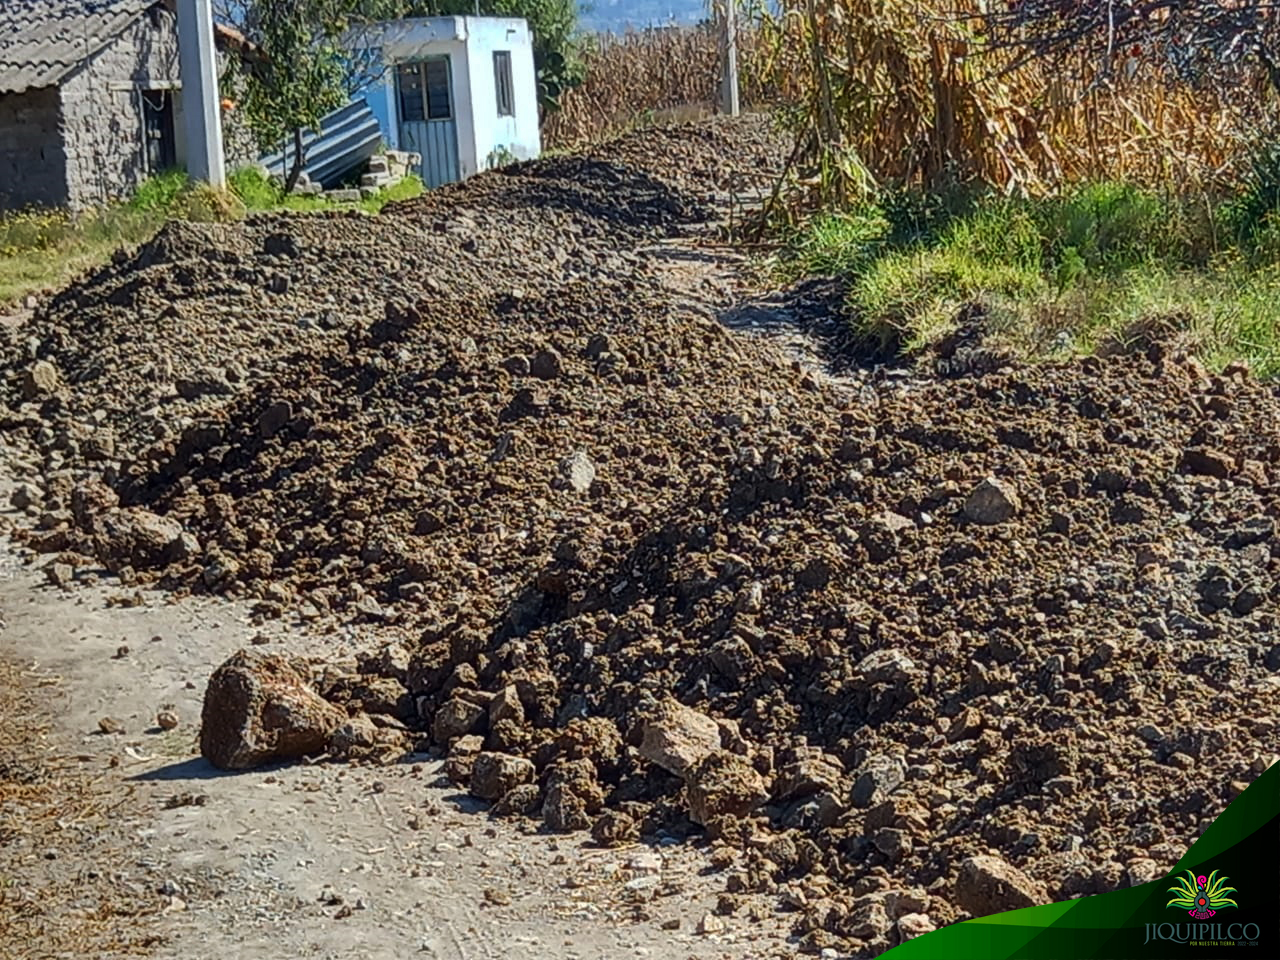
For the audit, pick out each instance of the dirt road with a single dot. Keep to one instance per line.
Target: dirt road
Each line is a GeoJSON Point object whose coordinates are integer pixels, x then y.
{"type": "Point", "coordinates": [885, 649]}
{"type": "Point", "coordinates": [159, 854]}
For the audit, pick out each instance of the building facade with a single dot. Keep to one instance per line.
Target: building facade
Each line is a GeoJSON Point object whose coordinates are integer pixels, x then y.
{"type": "Point", "coordinates": [461, 92]}
{"type": "Point", "coordinates": [91, 100]}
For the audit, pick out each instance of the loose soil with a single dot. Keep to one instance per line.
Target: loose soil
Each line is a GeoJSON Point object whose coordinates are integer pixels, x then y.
{"type": "Point", "coordinates": [514, 432]}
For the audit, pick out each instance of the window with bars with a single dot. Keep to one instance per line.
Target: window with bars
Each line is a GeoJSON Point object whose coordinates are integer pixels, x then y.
{"type": "Point", "coordinates": [502, 83]}
{"type": "Point", "coordinates": [424, 90]}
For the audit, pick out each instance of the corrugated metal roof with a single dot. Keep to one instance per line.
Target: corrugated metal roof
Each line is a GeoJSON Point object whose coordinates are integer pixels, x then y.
{"type": "Point", "coordinates": [41, 41]}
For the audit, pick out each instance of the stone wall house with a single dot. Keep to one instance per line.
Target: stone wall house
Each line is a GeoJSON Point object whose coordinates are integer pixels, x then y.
{"type": "Point", "coordinates": [91, 100]}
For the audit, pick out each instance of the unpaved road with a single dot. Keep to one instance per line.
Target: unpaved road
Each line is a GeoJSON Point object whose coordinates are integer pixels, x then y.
{"type": "Point", "coordinates": [301, 861]}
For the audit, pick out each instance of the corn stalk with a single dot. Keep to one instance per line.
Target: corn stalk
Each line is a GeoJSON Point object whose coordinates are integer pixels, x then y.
{"type": "Point", "coordinates": [883, 93]}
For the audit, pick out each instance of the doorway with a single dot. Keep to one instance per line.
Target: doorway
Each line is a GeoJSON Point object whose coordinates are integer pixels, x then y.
{"type": "Point", "coordinates": [428, 126]}
{"type": "Point", "coordinates": [157, 131]}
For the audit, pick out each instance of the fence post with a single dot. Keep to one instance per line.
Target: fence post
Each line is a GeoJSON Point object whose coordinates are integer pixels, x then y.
{"type": "Point", "coordinates": [729, 66]}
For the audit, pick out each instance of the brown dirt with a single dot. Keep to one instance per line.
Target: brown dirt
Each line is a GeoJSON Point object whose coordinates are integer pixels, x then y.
{"type": "Point", "coordinates": [503, 440]}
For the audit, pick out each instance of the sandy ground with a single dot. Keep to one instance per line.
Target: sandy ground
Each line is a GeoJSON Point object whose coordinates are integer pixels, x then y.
{"type": "Point", "coordinates": [302, 861]}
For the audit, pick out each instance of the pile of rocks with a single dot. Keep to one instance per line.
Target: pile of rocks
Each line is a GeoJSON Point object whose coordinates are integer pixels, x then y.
{"type": "Point", "coordinates": [927, 650]}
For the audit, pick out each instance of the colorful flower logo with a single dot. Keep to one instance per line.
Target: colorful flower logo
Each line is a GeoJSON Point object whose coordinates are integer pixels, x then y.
{"type": "Point", "coordinates": [1201, 896]}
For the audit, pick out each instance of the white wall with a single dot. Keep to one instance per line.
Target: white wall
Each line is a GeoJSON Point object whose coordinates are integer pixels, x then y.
{"type": "Point", "coordinates": [518, 134]}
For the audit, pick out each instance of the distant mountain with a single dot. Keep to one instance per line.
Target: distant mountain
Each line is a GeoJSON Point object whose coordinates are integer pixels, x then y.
{"type": "Point", "coordinates": [617, 15]}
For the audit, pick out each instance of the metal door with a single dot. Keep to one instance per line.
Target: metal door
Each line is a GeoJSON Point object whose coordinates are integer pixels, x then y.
{"type": "Point", "coordinates": [424, 94]}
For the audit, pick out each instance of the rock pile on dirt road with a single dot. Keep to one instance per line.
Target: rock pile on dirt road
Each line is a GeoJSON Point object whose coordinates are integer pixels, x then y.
{"type": "Point", "coordinates": [956, 647]}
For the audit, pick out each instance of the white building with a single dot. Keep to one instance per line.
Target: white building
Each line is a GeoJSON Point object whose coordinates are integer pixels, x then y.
{"type": "Point", "coordinates": [460, 91]}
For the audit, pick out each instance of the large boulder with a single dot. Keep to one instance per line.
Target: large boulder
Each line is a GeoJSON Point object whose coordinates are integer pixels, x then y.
{"type": "Point", "coordinates": [258, 709]}
{"type": "Point", "coordinates": [140, 539]}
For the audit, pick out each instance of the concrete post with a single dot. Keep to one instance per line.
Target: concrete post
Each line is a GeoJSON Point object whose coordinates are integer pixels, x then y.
{"type": "Point", "coordinates": [729, 81]}
{"type": "Point", "coordinates": [198, 62]}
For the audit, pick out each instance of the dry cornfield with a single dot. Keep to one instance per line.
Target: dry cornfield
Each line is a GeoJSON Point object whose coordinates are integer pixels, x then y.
{"type": "Point", "coordinates": [902, 94]}
{"type": "Point", "coordinates": [672, 71]}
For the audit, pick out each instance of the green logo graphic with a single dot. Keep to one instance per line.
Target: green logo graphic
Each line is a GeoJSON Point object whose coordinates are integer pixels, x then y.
{"type": "Point", "coordinates": [1200, 896]}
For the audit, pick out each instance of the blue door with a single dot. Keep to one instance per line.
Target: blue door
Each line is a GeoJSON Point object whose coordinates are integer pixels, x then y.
{"type": "Point", "coordinates": [428, 127]}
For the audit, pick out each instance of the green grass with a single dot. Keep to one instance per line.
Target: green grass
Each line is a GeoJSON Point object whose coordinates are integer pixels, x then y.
{"type": "Point", "coordinates": [257, 193]}
{"type": "Point", "coordinates": [43, 249]}
{"type": "Point", "coordinates": [1092, 269]}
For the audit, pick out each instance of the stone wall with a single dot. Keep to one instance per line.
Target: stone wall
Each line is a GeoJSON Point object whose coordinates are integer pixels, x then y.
{"type": "Point", "coordinates": [239, 148]}
{"type": "Point", "coordinates": [33, 168]}
{"type": "Point", "coordinates": [102, 110]}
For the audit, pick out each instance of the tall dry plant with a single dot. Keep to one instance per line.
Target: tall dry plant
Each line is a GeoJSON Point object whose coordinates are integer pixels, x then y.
{"type": "Point", "coordinates": [633, 75]}
{"type": "Point", "coordinates": [884, 92]}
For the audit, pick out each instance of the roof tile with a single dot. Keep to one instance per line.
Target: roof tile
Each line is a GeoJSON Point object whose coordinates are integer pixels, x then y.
{"type": "Point", "coordinates": [41, 41]}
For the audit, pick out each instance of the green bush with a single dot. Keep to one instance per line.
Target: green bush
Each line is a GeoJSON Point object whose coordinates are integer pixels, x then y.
{"type": "Point", "coordinates": [158, 194]}
{"type": "Point", "coordinates": [254, 188]}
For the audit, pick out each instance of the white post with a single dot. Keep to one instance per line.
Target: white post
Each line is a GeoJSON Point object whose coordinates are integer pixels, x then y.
{"type": "Point", "coordinates": [198, 61]}
{"type": "Point", "coordinates": [729, 80]}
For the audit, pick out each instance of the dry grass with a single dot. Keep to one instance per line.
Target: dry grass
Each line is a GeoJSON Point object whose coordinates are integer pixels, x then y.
{"type": "Point", "coordinates": [64, 906]}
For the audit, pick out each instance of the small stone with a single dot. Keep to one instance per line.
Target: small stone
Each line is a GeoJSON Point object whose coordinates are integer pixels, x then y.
{"type": "Point", "coordinates": [678, 738]}
{"type": "Point", "coordinates": [167, 717]}
{"type": "Point", "coordinates": [494, 775]}
{"type": "Point", "coordinates": [868, 919]}
{"type": "Point", "coordinates": [59, 574]}
{"type": "Point", "coordinates": [351, 738]}
{"type": "Point", "coordinates": [966, 726]}
{"type": "Point", "coordinates": [992, 502]}
{"type": "Point", "coordinates": [546, 364]}
{"type": "Point", "coordinates": [517, 366]}
{"type": "Point", "coordinates": [258, 709]}
{"type": "Point", "coordinates": [25, 496]}
{"type": "Point", "coordinates": [506, 706]}
{"type": "Point", "coordinates": [578, 472]}
{"type": "Point", "coordinates": [1140, 871]}
{"type": "Point", "coordinates": [1206, 463]}
{"type": "Point", "coordinates": [614, 828]}
{"type": "Point", "coordinates": [893, 843]}
{"type": "Point", "coordinates": [914, 925]}
{"type": "Point", "coordinates": [710, 924]}
{"type": "Point", "coordinates": [274, 419]}
{"type": "Point", "coordinates": [108, 725]}
{"type": "Point", "coordinates": [723, 784]}
{"type": "Point", "coordinates": [520, 801]}
{"type": "Point", "coordinates": [807, 776]}
{"type": "Point", "coordinates": [41, 379]}
{"type": "Point", "coordinates": [456, 718]}
{"type": "Point", "coordinates": [563, 810]}
{"type": "Point", "coordinates": [876, 779]}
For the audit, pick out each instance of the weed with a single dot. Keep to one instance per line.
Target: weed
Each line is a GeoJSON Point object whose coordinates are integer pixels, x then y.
{"type": "Point", "coordinates": [1095, 268]}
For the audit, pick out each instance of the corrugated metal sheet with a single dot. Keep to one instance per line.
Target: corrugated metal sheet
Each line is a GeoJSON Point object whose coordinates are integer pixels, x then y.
{"type": "Point", "coordinates": [437, 142]}
{"type": "Point", "coordinates": [348, 137]}
{"type": "Point", "coordinates": [41, 41]}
